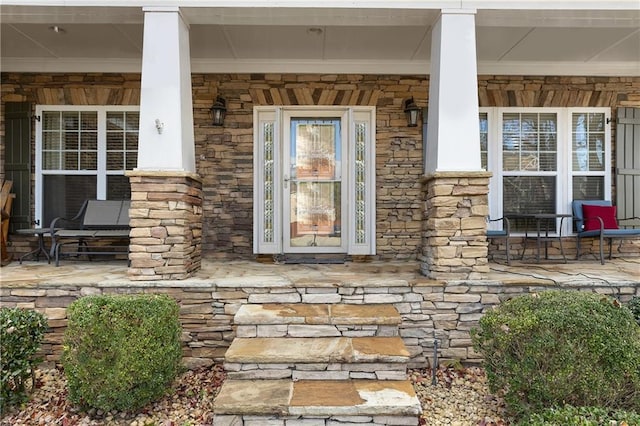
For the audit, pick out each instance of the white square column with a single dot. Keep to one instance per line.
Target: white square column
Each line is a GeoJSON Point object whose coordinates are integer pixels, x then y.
{"type": "Point", "coordinates": [453, 134]}
{"type": "Point", "coordinates": [455, 187]}
{"type": "Point", "coordinates": [166, 140]}
{"type": "Point", "coordinates": [166, 192]}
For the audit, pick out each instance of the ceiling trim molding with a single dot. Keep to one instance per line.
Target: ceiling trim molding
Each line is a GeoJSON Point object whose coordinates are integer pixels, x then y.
{"type": "Point", "coordinates": [358, 4]}
{"type": "Point", "coordinates": [614, 69]}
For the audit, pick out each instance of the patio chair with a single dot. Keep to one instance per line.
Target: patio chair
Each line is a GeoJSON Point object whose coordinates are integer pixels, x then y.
{"type": "Point", "coordinates": [505, 233]}
{"type": "Point", "coordinates": [6, 202]}
{"type": "Point", "coordinates": [597, 219]}
{"type": "Point", "coordinates": [97, 220]}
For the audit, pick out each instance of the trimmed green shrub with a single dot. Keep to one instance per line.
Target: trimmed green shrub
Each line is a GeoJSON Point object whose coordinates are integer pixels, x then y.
{"type": "Point", "coordinates": [121, 351]}
{"type": "Point", "coordinates": [581, 416]}
{"type": "Point", "coordinates": [21, 332]}
{"type": "Point", "coordinates": [561, 347]}
{"type": "Point", "coordinates": [634, 305]}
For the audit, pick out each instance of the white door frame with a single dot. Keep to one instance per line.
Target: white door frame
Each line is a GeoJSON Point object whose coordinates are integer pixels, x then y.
{"type": "Point", "coordinates": [271, 145]}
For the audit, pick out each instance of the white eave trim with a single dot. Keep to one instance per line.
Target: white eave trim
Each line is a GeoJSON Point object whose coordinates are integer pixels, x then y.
{"type": "Point", "coordinates": [288, 66]}
{"type": "Point", "coordinates": [351, 4]}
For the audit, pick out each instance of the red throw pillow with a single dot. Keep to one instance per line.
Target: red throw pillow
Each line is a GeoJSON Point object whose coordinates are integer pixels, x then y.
{"type": "Point", "coordinates": [606, 213]}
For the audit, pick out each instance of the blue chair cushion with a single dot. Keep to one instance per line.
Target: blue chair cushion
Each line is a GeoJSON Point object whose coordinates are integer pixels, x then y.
{"type": "Point", "coordinates": [496, 233]}
{"type": "Point", "coordinates": [611, 233]}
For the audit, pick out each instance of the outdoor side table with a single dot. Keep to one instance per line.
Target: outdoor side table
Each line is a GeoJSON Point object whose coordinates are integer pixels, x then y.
{"type": "Point", "coordinates": [544, 234]}
{"type": "Point", "coordinates": [40, 233]}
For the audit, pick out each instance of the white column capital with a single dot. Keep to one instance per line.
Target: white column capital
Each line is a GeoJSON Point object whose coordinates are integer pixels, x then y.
{"type": "Point", "coordinates": [458, 11]}
{"type": "Point", "coordinates": [161, 9]}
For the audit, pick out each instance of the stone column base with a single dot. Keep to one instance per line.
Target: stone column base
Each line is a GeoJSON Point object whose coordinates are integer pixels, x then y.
{"type": "Point", "coordinates": [166, 225]}
{"type": "Point", "coordinates": [454, 225]}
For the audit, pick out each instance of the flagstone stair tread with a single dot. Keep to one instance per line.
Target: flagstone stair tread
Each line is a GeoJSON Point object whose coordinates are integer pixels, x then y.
{"type": "Point", "coordinates": [317, 398]}
{"type": "Point", "coordinates": [307, 362]}
{"type": "Point", "coordinates": [271, 350]}
{"type": "Point", "coordinates": [312, 313]}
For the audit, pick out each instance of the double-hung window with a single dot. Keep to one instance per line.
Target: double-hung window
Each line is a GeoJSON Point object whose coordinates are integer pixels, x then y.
{"type": "Point", "coordinates": [82, 152]}
{"type": "Point", "coordinates": [543, 158]}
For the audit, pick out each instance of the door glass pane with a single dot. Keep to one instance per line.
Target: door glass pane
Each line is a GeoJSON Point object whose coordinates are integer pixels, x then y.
{"type": "Point", "coordinates": [484, 139]}
{"type": "Point", "coordinates": [316, 183]}
{"type": "Point", "coordinates": [269, 181]}
{"type": "Point", "coordinates": [361, 183]}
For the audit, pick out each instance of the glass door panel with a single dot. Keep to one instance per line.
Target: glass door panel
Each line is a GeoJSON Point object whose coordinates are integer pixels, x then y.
{"type": "Point", "coordinates": [314, 190]}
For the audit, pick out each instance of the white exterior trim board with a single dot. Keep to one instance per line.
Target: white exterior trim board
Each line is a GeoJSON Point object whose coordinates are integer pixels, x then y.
{"type": "Point", "coordinates": [603, 69]}
{"type": "Point", "coordinates": [357, 4]}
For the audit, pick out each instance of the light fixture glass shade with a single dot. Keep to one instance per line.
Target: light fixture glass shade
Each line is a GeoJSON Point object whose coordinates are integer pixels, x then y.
{"type": "Point", "coordinates": [412, 112]}
{"type": "Point", "coordinates": [218, 111]}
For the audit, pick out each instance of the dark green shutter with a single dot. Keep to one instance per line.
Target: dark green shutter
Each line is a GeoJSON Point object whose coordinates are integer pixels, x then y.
{"type": "Point", "coordinates": [18, 161]}
{"type": "Point", "coordinates": [628, 164]}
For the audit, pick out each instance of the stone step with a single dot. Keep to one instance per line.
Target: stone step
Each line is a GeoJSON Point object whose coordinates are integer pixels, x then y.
{"type": "Point", "coordinates": [316, 320]}
{"type": "Point", "coordinates": [315, 402]}
{"type": "Point", "coordinates": [323, 358]}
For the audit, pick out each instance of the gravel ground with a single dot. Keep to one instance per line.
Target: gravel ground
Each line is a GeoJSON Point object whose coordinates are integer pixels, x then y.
{"type": "Point", "coordinates": [459, 398]}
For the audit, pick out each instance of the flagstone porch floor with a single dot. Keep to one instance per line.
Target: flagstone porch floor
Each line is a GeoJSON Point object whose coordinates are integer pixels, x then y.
{"type": "Point", "coordinates": [619, 271]}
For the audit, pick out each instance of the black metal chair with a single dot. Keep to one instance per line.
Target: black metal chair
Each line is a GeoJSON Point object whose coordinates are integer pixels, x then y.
{"type": "Point", "coordinates": [505, 233]}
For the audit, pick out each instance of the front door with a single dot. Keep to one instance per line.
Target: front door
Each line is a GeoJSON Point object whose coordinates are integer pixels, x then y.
{"type": "Point", "coordinates": [312, 186]}
{"type": "Point", "coordinates": [314, 180]}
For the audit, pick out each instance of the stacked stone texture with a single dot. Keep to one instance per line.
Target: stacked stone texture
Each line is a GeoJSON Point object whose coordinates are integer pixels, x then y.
{"type": "Point", "coordinates": [166, 226]}
{"type": "Point", "coordinates": [456, 208]}
{"type": "Point", "coordinates": [429, 309]}
{"type": "Point", "coordinates": [224, 155]}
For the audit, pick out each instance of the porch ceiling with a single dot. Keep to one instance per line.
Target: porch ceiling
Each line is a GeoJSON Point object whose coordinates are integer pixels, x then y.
{"type": "Point", "coordinates": [323, 39]}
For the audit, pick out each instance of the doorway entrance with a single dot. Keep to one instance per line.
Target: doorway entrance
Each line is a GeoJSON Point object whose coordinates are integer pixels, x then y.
{"type": "Point", "coordinates": [313, 186]}
{"type": "Point", "coordinates": [314, 180]}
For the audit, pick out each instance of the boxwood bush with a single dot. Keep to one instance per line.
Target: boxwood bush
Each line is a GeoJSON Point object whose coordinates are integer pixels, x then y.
{"type": "Point", "coordinates": [561, 347]}
{"type": "Point", "coordinates": [121, 352]}
{"type": "Point", "coordinates": [21, 332]}
{"type": "Point", "coordinates": [581, 416]}
{"type": "Point", "coordinates": [634, 305]}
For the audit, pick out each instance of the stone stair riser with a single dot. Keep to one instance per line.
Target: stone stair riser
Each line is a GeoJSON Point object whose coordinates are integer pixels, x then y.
{"type": "Point", "coordinates": [330, 371]}
{"type": "Point", "coordinates": [230, 420]}
{"type": "Point", "coordinates": [320, 350]}
{"type": "Point", "coordinates": [313, 330]}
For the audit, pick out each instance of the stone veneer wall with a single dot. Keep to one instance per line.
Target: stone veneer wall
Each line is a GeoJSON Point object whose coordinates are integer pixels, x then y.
{"type": "Point", "coordinates": [429, 309]}
{"type": "Point", "coordinates": [166, 225]}
{"type": "Point", "coordinates": [456, 208]}
{"type": "Point", "coordinates": [224, 154]}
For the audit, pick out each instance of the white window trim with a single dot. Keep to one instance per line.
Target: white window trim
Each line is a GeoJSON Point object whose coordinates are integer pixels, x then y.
{"type": "Point", "coordinates": [101, 171]}
{"type": "Point", "coordinates": [564, 173]}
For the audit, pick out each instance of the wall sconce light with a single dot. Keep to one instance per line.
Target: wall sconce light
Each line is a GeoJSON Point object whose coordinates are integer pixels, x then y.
{"type": "Point", "coordinates": [412, 111]}
{"type": "Point", "coordinates": [218, 111]}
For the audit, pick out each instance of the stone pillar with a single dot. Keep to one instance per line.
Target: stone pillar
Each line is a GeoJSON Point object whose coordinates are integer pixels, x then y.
{"type": "Point", "coordinates": [454, 225]}
{"type": "Point", "coordinates": [166, 225]}
{"type": "Point", "coordinates": [455, 187]}
{"type": "Point", "coordinates": [166, 193]}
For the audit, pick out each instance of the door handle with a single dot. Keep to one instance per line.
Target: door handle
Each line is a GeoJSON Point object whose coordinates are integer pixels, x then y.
{"type": "Point", "coordinates": [286, 181]}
